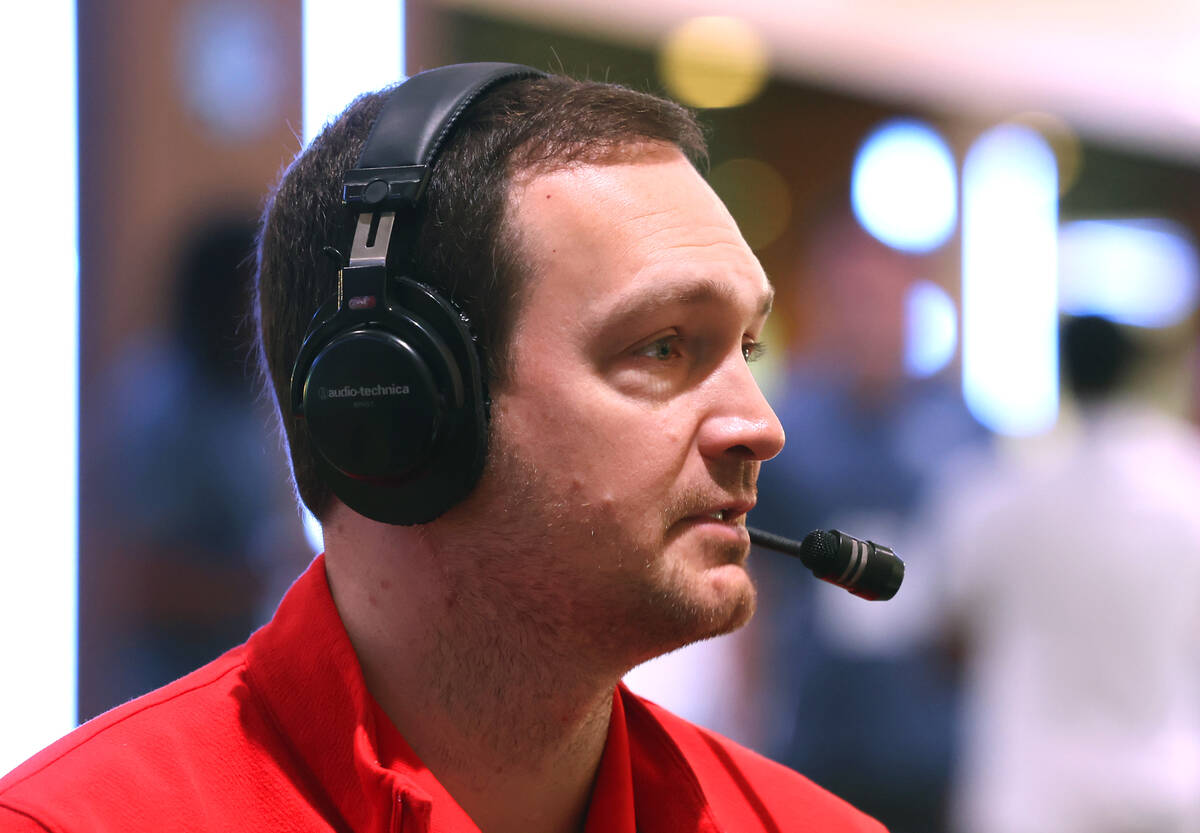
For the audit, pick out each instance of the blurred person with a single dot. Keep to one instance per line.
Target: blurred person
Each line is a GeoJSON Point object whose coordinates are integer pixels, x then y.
{"type": "Point", "coordinates": [855, 695]}
{"type": "Point", "coordinates": [199, 529]}
{"type": "Point", "coordinates": [1073, 583]}
{"type": "Point", "coordinates": [452, 661]}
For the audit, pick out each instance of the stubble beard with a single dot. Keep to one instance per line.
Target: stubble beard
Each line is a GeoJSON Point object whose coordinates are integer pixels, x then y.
{"type": "Point", "coordinates": [588, 586]}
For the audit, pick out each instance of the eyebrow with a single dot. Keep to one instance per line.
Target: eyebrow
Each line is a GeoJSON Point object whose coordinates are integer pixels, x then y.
{"type": "Point", "coordinates": [684, 293]}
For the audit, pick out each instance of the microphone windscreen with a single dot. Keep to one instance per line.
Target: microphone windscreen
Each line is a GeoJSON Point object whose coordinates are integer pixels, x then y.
{"type": "Point", "coordinates": [865, 568]}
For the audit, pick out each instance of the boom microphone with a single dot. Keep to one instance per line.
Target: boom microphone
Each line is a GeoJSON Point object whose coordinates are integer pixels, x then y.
{"type": "Point", "coordinates": [865, 568]}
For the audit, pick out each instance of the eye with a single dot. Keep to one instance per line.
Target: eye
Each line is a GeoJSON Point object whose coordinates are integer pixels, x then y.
{"type": "Point", "coordinates": [752, 351]}
{"type": "Point", "coordinates": [661, 349]}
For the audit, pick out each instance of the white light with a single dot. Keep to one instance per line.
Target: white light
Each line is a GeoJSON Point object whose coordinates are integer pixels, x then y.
{"type": "Point", "coordinates": [931, 329]}
{"type": "Point", "coordinates": [39, 365]}
{"type": "Point", "coordinates": [904, 186]}
{"type": "Point", "coordinates": [1140, 272]}
{"type": "Point", "coordinates": [1010, 310]}
{"type": "Point", "coordinates": [313, 531]}
{"type": "Point", "coordinates": [349, 49]}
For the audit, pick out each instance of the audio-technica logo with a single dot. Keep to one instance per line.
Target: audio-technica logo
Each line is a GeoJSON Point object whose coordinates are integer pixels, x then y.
{"type": "Point", "coordinates": [355, 391]}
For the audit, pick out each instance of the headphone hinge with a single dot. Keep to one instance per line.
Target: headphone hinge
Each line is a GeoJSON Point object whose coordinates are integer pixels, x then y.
{"type": "Point", "coordinates": [373, 189]}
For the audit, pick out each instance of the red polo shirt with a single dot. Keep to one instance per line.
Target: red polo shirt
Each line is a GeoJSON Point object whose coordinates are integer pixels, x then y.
{"type": "Point", "coordinates": [281, 734]}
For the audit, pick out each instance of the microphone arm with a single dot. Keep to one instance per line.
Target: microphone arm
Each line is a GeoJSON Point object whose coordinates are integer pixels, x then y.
{"type": "Point", "coordinates": [869, 570]}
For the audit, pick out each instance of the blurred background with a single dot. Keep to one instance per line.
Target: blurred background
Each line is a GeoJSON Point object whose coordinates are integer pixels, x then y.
{"type": "Point", "coordinates": [981, 219]}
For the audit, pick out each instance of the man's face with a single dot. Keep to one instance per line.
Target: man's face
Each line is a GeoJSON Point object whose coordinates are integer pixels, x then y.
{"type": "Point", "coordinates": [628, 437]}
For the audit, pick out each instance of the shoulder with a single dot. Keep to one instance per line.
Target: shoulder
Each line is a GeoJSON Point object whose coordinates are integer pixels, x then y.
{"type": "Point", "coordinates": [167, 749]}
{"type": "Point", "coordinates": [13, 822]}
{"type": "Point", "coordinates": [744, 788]}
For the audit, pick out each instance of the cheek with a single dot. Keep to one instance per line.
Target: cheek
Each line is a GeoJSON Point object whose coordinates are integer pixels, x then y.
{"type": "Point", "coordinates": [632, 468]}
{"type": "Point", "coordinates": [594, 445]}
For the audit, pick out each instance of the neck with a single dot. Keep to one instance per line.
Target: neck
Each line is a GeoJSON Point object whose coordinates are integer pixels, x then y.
{"type": "Point", "coordinates": [475, 674]}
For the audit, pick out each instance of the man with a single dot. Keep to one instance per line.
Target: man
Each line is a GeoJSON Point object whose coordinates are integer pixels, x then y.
{"type": "Point", "coordinates": [463, 673]}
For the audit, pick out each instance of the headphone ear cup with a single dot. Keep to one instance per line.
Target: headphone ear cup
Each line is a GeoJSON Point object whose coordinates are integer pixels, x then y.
{"type": "Point", "coordinates": [373, 405]}
{"type": "Point", "coordinates": [395, 406]}
{"type": "Point", "coordinates": [391, 384]}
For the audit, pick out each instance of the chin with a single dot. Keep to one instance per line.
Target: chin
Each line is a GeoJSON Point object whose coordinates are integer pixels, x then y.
{"type": "Point", "coordinates": [739, 600]}
{"type": "Point", "coordinates": [723, 601]}
{"type": "Point", "coordinates": [664, 600]}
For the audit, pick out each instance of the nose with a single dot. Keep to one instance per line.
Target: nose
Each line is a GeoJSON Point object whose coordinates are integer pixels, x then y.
{"type": "Point", "coordinates": [740, 422]}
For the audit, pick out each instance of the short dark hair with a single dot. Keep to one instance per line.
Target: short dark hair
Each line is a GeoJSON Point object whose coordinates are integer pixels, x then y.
{"type": "Point", "coordinates": [465, 247]}
{"type": "Point", "coordinates": [1096, 356]}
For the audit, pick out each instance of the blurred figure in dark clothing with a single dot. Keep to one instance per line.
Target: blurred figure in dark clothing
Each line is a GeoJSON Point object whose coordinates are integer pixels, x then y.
{"type": "Point", "coordinates": [203, 532]}
{"type": "Point", "coordinates": [856, 698]}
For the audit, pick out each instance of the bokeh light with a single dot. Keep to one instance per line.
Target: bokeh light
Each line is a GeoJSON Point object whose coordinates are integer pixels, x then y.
{"type": "Point", "coordinates": [1068, 150]}
{"type": "Point", "coordinates": [904, 188]}
{"type": "Point", "coordinates": [373, 32]}
{"type": "Point", "coordinates": [713, 62]}
{"type": "Point", "coordinates": [231, 65]}
{"type": "Point", "coordinates": [1009, 281]}
{"type": "Point", "coordinates": [40, 443]}
{"type": "Point", "coordinates": [757, 196]}
{"type": "Point", "coordinates": [931, 329]}
{"type": "Point", "coordinates": [1141, 272]}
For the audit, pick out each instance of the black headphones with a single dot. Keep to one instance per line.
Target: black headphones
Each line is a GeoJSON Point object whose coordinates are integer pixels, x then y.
{"type": "Point", "coordinates": [389, 379]}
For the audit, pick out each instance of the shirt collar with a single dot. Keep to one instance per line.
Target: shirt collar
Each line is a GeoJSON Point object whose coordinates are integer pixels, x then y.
{"type": "Point", "coordinates": [303, 666]}
{"type": "Point", "coordinates": [611, 809]}
{"type": "Point", "coordinates": [667, 794]}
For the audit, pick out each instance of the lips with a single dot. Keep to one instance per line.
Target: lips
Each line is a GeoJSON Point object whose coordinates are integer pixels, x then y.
{"type": "Point", "coordinates": [728, 512]}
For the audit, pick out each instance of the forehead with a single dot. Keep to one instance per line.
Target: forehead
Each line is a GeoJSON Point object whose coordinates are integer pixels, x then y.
{"type": "Point", "coordinates": [600, 239]}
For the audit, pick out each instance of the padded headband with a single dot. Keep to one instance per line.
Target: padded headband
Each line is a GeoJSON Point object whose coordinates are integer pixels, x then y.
{"type": "Point", "coordinates": [409, 132]}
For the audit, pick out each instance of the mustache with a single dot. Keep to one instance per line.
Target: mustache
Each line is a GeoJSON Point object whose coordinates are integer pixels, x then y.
{"type": "Point", "coordinates": [734, 485]}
